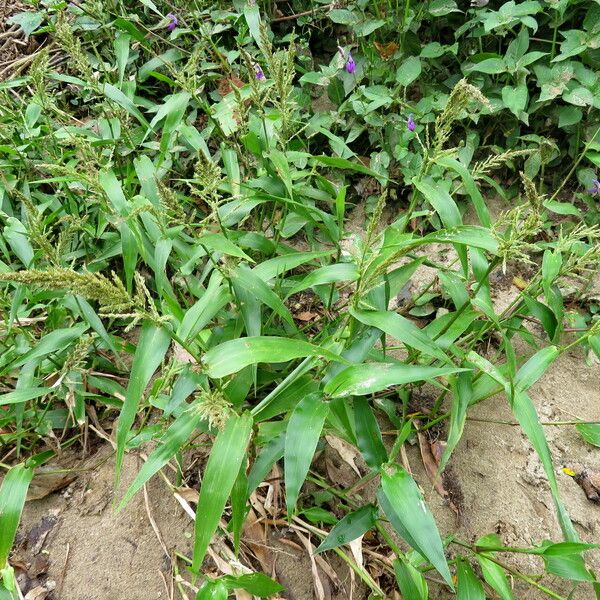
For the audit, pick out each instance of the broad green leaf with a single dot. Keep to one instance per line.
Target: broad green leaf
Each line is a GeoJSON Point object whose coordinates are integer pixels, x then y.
{"type": "Point", "coordinates": [273, 267]}
{"type": "Point", "coordinates": [368, 434]}
{"type": "Point", "coordinates": [117, 96]}
{"type": "Point", "coordinates": [402, 329]}
{"type": "Point", "coordinates": [342, 163]}
{"type": "Point", "coordinates": [212, 590]}
{"type": "Point", "coordinates": [408, 71]}
{"type": "Point", "coordinates": [18, 396]}
{"type": "Point", "coordinates": [233, 355]}
{"type": "Point", "coordinates": [351, 527]}
{"type": "Point", "coordinates": [462, 393]}
{"type": "Point", "coordinates": [269, 455]}
{"type": "Point", "coordinates": [493, 574]}
{"type": "Point", "coordinates": [441, 201]}
{"type": "Point", "coordinates": [525, 412]}
{"type": "Point", "coordinates": [257, 584]}
{"type": "Point", "coordinates": [535, 367]}
{"type": "Point", "coordinates": [221, 471]}
{"type": "Point", "coordinates": [245, 278]}
{"type": "Point", "coordinates": [211, 302]}
{"type": "Point", "coordinates": [301, 439]}
{"type": "Point", "coordinates": [590, 432]}
{"type": "Point", "coordinates": [169, 444]}
{"type": "Point", "coordinates": [12, 498]}
{"type": "Point", "coordinates": [361, 380]}
{"type": "Point", "coordinates": [468, 586]}
{"type": "Point", "coordinates": [55, 341]}
{"type": "Point", "coordinates": [27, 21]}
{"type": "Point", "coordinates": [327, 274]}
{"type": "Point", "coordinates": [150, 352]}
{"type": "Point", "coordinates": [569, 566]}
{"type": "Point", "coordinates": [405, 500]}
{"type": "Point", "coordinates": [411, 582]}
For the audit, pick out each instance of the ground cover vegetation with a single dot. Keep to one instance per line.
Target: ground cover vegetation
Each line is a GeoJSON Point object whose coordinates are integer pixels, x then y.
{"type": "Point", "coordinates": [178, 264]}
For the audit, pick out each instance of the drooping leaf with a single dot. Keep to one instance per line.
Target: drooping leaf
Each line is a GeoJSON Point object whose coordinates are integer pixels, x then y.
{"type": "Point", "coordinates": [233, 355]}
{"type": "Point", "coordinates": [223, 466]}
{"type": "Point", "coordinates": [301, 439]}
{"type": "Point", "coordinates": [12, 498]}
{"type": "Point", "coordinates": [468, 586]}
{"type": "Point", "coordinates": [169, 443]}
{"type": "Point", "coordinates": [400, 328]}
{"type": "Point", "coordinates": [408, 508]}
{"type": "Point", "coordinates": [368, 434]}
{"type": "Point", "coordinates": [364, 379]}
{"type": "Point", "coordinates": [410, 580]}
{"type": "Point", "coordinates": [151, 349]}
{"type": "Point", "coordinates": [351, 527]}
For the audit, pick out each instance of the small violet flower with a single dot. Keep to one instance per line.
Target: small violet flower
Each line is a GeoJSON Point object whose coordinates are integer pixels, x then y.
{"type": "Point", "coordinates": [596, 188]}
{"type": "Point", "coordinates": [350, 64]}
{"type": "Point", "coordinates": [173, 22]}
{"type": "Point", "coordinates": [410, 123]}
{"type": "Point", "coordinates": [259, 72]}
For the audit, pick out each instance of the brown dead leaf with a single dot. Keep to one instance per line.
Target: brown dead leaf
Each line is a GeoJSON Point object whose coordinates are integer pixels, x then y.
{"type": "Point", "coordinates": [386, 50]}
{"type": "Point", "coordinates": [322, 591]}
{"type": "Point", "coordinates": [589, 481]}
{"type": "Point", "coordinates": [37, 593]}
{"type": "Point", "coordinates": [46, 480]}
{"type": "Point", "coordinates": [254, 536]}
{"type": "Point", "coordinates": [188, 494]}
{"type": "Point", "coordinates": [225, 85]}
{"type": "Point", "coordinates": [305, 315]}
{"type": "Point", "coordinates": [347, 453]}
{"type": "Point", "coordinates": [431, 465]}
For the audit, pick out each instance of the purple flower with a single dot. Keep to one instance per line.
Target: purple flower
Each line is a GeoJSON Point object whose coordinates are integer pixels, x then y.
{"type": "Point", "coordinates": [259, 72]}
{"type": "Point", "coordinates": [596, 188]}
{"type": "Point", "coordinates": [350, 64]}
{"type": "Point", "coordinates": [173, 22]}
{"type": "Point", "coordinates": [410, 123]}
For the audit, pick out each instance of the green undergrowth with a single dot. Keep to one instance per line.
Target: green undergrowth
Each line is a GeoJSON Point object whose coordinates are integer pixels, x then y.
{"type": "Point", "coordinates": [175, 255]}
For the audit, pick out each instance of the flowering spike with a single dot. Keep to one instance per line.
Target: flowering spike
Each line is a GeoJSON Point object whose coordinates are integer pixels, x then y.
{"type": "Point", "coordinates": [173, 22]}
{"type": "Point", "coordinates": [410, 123]}
{"type": "Point", "coordinates": [259, 72]}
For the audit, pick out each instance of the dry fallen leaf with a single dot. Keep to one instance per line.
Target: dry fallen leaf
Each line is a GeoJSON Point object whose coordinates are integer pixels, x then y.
{"type": "Point", "coordinates": [47, 480]}
{"type": "Point", "coordinates": [347, 453]}
{"type": "Point", "coordinates": [386, 50]}
{"type": "Point", "coordinates": [589, 481]}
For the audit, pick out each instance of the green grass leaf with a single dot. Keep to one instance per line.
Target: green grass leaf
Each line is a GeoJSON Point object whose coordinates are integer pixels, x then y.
{"type": "Point", "coordinates": [402, 329]}
{"type": "Point", "coordinates": [361, 380]}
{"type": "Point", "coordinates": [301, 438]}
{"type": "Point", "coordinates": [468, 586]}
{"type": "Point", "coordinates": [221, 471]}
{"type": "Point", "coordinates": [368, 434]}
{"type": "Point", "coordinates": [12, 498]}
{"type": "Point", "coordinates": [151, 349]}
{"type": "Point", "coordinates": [590, 432]}
{"type": "Point", "coordinates": [408, 507]}
{"type": "Point", "coordinates": [169, 444]}
{"type": "Point", "coordinates": [351, 527]}
{"type": "Point", "coordinates": [233, 355]}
